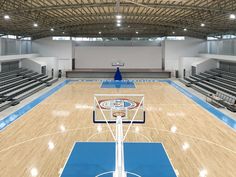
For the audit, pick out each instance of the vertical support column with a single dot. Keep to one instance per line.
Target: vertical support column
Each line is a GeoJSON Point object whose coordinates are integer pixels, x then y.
{"type": "Point", "coordinates": [120, 168]}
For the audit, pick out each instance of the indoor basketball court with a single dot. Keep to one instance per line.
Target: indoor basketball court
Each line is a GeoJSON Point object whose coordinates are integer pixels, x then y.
{"type": "Point", "coordinates": [117, 88]}
{"type": "Point", "coordinates": [57, 136]}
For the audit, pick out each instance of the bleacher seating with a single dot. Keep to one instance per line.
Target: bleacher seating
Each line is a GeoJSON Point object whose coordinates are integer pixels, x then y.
{"type": "Point", "coordinates": [216, 84]}
{"type": "Point", "coordinates": [19, 84]}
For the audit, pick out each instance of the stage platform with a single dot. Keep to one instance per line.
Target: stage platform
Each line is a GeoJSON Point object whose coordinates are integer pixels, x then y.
{"type": "Point", "coordinates": [126, 73]}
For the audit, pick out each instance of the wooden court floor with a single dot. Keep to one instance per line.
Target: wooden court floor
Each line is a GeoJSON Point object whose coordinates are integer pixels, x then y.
{"type": "Point", "coordinates": [43, 138]}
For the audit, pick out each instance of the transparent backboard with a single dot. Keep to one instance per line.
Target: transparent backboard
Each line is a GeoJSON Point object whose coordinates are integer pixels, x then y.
{"type": "Point", "coordinates": [107, 107]}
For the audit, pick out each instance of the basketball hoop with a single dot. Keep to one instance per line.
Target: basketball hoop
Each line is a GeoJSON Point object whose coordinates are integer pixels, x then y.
{"type": "Point", "coordinates": [119, 113]}
{"type": "Point", "coordinates": [119, 109]}
{"type": "Point", "coordinates": [113, 105]}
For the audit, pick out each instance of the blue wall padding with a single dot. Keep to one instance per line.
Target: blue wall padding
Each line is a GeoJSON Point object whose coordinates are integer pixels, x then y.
{"type": "Point", "coordinates": [118, 75]}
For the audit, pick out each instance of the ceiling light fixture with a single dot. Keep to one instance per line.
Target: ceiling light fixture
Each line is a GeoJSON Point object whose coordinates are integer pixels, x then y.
{"type": "Point", "coordinates": [202, 25]}
{"type": "Point", "coordinates": [185, 29]}
{"type": "Point", "coordinates": [232, 16]}
{"type": "Point", "coordinates": [35, 25]}
{"type": "Point", "coordinates": [118, 24]}
{"type": "Point", "coordinates": [118, 17]}
{"type": "Point", "coordinates": [6, 17]}
{"type": "Point", "coordinates": [136, 32]}
{"type": "Point", "coordinates": [99, 32]}
{"type": "Point", "coordinates": [51, 29]}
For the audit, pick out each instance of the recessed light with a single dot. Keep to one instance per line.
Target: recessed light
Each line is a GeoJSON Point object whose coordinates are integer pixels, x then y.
{"type": "Point", "coordinates": [63, 32]}
{"type": "Point", "coordinates": [202, 25]}
{"type": "Point", "coordinates": [99, 32]}
{"type": "Point", "coordinates": [118, 21]}
{"type": "Point", "coordinates": [136, 32]}
{"type": "Point", "coordinates": [173, 32]}
{"type": "Point", "coordinates": [185, 29]}
{"type": "Point", "coordinates": [51, 29]}
{"type": "Point", "coordinates": [118, 24]}
{"type": "Point", "coordinates": [232, 16]}
{"type": "Point", "coordinates": [129, 26]}
{"type": "Point", "coordinates": [6, 17]}
{"type": "Point", "coordinates": [35, 25]}
{"type": "Point", "coordinates": [118, 17]}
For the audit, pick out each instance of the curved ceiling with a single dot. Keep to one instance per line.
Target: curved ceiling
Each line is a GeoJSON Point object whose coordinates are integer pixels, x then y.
{"type": "Point", "coordinates": [89, 17]}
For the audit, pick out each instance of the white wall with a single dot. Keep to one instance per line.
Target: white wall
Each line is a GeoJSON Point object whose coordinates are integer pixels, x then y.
{"type": "Point", "coordinates": [49, 48]}
{"type": "Point", "coordinates": [64, 65]}
{"type": "Point", "coordinates": [205, 65]}
{"type": "Point", "coordinates": [174, 50]}
{"type": "Point", "coordinates": [32, 65]}
{"type": "Point", "coordinates": [50, 62]}
{"type": "Point", "coordinates": [186, 63]}
{"type": "Point", "coordinates": [15, 58]}
{"type": "Point", "coordinates": [103, 57]}
{"type": "Point", "coordinates": [1, 51]}
{"type": "Point", "coordinates": [230, 58]}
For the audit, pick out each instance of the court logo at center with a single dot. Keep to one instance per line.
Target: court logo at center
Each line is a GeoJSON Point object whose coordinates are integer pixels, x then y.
{"type": "Point", "coordinates": [118, 104]}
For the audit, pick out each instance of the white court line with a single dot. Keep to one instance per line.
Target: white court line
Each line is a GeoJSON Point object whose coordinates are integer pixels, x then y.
{"type": "Point", "coordinates": [62, 169]}
{"type": "Point", "coordinates": [151, 128]}
{"type": "Point", "coordinates": [43, 136]}
{"type": "Point", "coordinates": [193, 137]}
{"type": "Point", "coordinates": [149, 140]}
{"type": "Point", "coordinates": [169, 159]}
{"type": "Point", "coordinates": [105, 173]}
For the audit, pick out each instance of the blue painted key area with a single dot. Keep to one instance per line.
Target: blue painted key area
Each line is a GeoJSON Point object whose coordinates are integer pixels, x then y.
{"type": "Point", "coordinates": [145, 159]}
{"type": "Point", "coordinates": [118, 84]}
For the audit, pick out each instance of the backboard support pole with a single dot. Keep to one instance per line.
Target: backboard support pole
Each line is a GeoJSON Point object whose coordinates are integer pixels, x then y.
{"type": "Point", "coordinates": [120, 167]}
